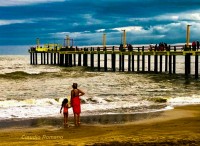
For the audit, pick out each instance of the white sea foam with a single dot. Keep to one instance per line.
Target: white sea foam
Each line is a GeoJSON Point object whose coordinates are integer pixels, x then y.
{"type": "Point", "coordinates": [28, 102]}
{"type": "Point", "coordinates": [185, 100]}
{"type": "Point", "coordinates": [47, 107]}
{"type": "Point", "coordinates": [31, 108]}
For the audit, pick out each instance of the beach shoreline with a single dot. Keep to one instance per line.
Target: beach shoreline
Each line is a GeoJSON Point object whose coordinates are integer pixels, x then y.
{"type": "Point", "coordinates": [107, 119]}
{"type": "Point", "coordinates": [179, 126]}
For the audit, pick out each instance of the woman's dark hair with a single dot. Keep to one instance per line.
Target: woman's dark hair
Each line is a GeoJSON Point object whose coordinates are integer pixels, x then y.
{"type": "Point", "coordinates": [64, 102]}
{"type": "Point", "coordinates": [75, 85]}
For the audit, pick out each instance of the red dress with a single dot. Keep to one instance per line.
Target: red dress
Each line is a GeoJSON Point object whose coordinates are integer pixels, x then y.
{"type": "Point", "coordinates": [76, 105]}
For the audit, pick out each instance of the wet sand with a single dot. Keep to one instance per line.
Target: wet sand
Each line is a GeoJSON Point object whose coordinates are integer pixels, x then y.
{"type": "Point", "coordinates": [180, 126]}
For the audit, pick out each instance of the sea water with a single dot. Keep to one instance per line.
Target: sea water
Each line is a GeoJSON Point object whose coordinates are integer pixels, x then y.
{"type": "Point", "coordinates": [32, 91]}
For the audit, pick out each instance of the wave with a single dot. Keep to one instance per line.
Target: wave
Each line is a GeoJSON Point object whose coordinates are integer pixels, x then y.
{"type": "Point", "coordinates": [72, 72]}
{"type": "Point", "coordinates": [19, 75]}
{"type": "Point", "coordinates": [158, 100]}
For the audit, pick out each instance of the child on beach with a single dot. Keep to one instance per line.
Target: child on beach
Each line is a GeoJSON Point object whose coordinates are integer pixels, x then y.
{"type": "Point", "coordinates": [65, 107]}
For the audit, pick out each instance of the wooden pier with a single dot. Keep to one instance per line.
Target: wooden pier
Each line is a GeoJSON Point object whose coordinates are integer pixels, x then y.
{"type": "Point", "coordinates": [74, 56]}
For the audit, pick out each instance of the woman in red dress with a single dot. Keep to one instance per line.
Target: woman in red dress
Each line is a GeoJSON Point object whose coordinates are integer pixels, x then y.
{"type": "Point", "coordinates": [76, 103]}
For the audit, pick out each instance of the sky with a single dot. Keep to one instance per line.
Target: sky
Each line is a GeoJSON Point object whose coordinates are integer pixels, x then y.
{"type": "Point", "coordinates": [85, 21]}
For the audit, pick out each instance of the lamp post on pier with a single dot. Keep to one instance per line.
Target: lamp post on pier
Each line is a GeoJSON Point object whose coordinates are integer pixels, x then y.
{"type": "Point", "coordinates": [38, 42]}
{"type": "Point", "coordinates": [67, 41]}
{"type": "Point", "coordinates": [124, 38]}
{"type": "Point", "coordinates": [188, 36]}
{"type": "Point", "coordinates": [104, 40]}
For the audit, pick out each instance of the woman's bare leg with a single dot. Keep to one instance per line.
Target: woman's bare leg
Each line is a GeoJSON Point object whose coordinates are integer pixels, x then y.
{"type": "Point", "coordinates": [78, 120]}
{"type": "Point", "coordinates": [75, 119]}
{"type": "Point", "coordinates": [67, 119]}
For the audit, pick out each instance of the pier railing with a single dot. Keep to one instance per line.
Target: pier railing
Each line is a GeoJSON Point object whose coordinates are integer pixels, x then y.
{"type": "Point", "coordinates": [110, 48]}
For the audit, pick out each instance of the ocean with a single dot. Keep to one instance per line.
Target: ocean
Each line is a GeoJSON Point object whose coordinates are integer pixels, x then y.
{"type": "Point", "coordinates": [35, 91]}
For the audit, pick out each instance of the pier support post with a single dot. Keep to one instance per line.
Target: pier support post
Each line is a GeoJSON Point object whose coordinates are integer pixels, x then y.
{"type": "Point", "coordinates": [98, 59]}
{"type": "Point", "coordinates": [166, 62]}
{"type": "Point", "coordinates": [156, 64]}
{"type": "Point", "coordinates": [44, 58]}
{"type": "Point", "coordinates": [133, 63]}
{"type": "Point", "coordinates": [74, 59]}
{"type": "Point", "coordinates": [79, 59]}
{"type": "Point", "coordinates": [122, 62]}
{"type": "Point", "coordinates": [85, 57]}
{"type": "Point", "coordinates": [61, 59]}
{"type": "Point", "coordinates": [170, 64]}
{"type": "Point", "coordinates": [143, 60]}
{"type": "Point", "coordinates": [149, 63]}
{"type": "Point", "coordinates": [58, 58]}
{"type": "Point", "coordinates": [113, 59]}
{"type": "Point", "coordinates": [41, 55]}
{"type": "Point", "coordinates": [187, 65]}
{"type": "Point", "coordinates": [138, 60]}
{"type": "Point", "coordinates": [31, 58]}
{"type": "Point", "coordinates": [54, 59]}
{"type": "Point", "coordinates": [160, 63]}
{"type": "Point", "coordinates": [105, 60]}
{"type": "Point", "coordinates": [196, 66]}
{"type": "Point", "coordinates": [92, 60]}
{"type": "Point", "coordinates": [143, 63]}
{"type": "Point", "coordinates": [47, 57]}
{"type": "Point", "coordinates": [36, 59]}
{"type": "Point", "coordinates": [129, 62]}
{"type": "Point", "coordinates": [51, 58]}
{"type": "Point", "coordinates": [70, 60]}
{"type": "Point", "coordinates": [66, 60]}
{"type": "Point", "coordinates": [174, 62]}
{"type": "Point", "coordinates": [113, 62]}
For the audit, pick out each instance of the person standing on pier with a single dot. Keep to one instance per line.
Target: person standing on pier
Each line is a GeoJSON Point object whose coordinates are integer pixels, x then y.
{"type": "Point", "coordinates": [197, 44]}
{"type": "Point", "coordinates": [76, 103]}
{"type": "Point", "coordinates": [193, 46]}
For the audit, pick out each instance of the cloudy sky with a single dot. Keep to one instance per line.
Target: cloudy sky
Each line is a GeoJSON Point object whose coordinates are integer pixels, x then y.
{"type": "Point", "coordinates": [145, 21]}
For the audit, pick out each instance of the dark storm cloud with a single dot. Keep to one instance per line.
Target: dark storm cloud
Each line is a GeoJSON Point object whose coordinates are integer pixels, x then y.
{"type": "Point", "coordinates": [21, 22]}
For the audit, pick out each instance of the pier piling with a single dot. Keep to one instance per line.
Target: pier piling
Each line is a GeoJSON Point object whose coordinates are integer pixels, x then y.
{"type": "Point", "coordinates": [138, 61]}
{"type": "Point", "coordinates": [170, 64]}
{"type": "Point", "coordinates": [196, 66]}
{"type": "Point", "coordinates": [161, 63]}
{"type": "Point", "coordinates": [156, 64]}
{"type": "Point", "coordinates": [98, 61]}
{"type": "Point", "coordinates": [149, 63]}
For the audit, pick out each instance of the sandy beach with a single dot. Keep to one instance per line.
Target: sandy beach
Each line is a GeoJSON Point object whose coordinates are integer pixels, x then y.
{"type": "Point", "coordinates": [180, 126]}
